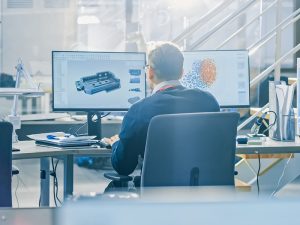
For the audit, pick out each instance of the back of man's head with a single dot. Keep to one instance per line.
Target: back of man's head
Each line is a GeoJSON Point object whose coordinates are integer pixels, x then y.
{"type": "Point", "coordinates": [166, 60]}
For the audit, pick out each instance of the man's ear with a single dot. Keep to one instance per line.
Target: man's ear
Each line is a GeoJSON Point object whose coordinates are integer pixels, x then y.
{"type": "Point", "coordinates": [182, 71]}
{"type": "Point", "coordinates": [151, 73]}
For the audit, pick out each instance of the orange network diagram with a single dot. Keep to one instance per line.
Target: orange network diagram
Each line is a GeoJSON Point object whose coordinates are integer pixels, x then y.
{"type": "Point", "coordinates": [202, 75]}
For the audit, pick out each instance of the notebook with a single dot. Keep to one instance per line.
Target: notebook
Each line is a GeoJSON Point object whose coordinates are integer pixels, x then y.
{"type": "Point", "coordinates": [61, 139]}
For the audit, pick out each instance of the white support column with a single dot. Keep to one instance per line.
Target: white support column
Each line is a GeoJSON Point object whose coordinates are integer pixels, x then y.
{"type": "Point", "coordinates": [278, 41]}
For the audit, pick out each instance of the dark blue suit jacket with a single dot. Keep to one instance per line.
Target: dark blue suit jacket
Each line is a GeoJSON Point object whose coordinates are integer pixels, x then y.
{"type": "Point", "coordinates": [126, 151]}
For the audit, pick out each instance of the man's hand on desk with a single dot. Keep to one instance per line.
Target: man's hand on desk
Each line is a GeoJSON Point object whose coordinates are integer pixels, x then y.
{"type": "Point", "coordinates": [111, 140]}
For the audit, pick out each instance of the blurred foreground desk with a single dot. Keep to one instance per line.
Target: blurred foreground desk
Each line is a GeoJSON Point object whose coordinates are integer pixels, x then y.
{"type": "Point", "coordinates": [32, 216]}
{"type": "Point", "coordinates": [30, 150]}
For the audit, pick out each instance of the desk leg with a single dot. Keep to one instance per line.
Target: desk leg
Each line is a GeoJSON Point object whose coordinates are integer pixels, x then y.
{"type": "Point", "coordinates": [68, 175]}
{"type": "Point", "coordinates": [45, 181]}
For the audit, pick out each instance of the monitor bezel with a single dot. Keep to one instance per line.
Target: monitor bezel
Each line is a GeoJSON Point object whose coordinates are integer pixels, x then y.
{"type": "Point", "coordinates": [96, 109]}
{"type": "Point", "coordinates": [231, 50]}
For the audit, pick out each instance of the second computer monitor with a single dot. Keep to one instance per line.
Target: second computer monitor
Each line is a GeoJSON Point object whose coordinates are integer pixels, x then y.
{"type": "Point", "coordinates": [225, 74]}
{"type": "Point", "coordinates": [97, 81]}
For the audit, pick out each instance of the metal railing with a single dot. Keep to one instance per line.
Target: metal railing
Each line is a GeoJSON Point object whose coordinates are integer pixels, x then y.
{"type": "Point", "coordinates": [218, 26]}
{"type": "Point", "coordinates": [263, 75]}
{"type": "Point", "coordinates": [247, 25]}
{"type": "Point", "coordinates": [292, 18]}
{"type": "Point", "coordinates": [208, 16]}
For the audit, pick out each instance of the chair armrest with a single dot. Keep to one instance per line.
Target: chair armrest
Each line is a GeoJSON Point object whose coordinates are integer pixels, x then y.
{"type": "Point", "coordinates": [117, 177]}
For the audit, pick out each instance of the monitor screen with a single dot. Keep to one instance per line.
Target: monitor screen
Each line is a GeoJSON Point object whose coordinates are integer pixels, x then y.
{"type": "Point", "coordinates": [99, 81]}
{"type": "Point", "coordinates": [225, 74]}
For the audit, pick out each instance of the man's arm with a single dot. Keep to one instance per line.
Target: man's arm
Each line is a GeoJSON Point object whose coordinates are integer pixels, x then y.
{"type": "Point", "coordinates": [126, 150]}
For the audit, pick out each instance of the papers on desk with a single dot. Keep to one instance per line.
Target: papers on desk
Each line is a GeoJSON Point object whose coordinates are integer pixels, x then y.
{"type": "Point", "coordinates": [62, 140]}
{"type": "Point", "coordinates": [281, 98]}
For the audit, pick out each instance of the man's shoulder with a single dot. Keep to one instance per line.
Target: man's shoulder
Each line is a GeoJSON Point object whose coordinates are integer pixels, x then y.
{"type": "Point", "coordinates": [197, 91]}
{"type": "Point", "coordinates": [156, 98]}
{"type": "Point", "coordinates": [202, 96]}
{"type": "Point", "coordinates": [146, 105]}
{"type": "Point", "coordinates": [146, 101]}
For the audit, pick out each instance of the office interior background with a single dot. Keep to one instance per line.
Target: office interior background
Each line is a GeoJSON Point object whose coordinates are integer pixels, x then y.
{"type": "Point", "coordinates": [31, 29]}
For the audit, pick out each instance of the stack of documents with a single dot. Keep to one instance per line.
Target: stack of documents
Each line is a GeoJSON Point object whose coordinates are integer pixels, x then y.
{"type": "Point", "coordinates": [62, 140]}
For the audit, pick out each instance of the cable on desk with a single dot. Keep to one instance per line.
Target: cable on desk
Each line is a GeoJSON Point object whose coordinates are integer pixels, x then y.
{"type": "Point", "coordinates": [54, 175]}
{"type": "Point", "coordinates": [258, 171]}
{"type": "Point", "coordinates": [271, 125]}
{"type": "Point", "coordinates": [56, 195]}
{"type": "Point", "coordinates": [55, 182]}
{"type": "Point", "coordinates": [75, 133]}
{"type": "Point", "coordinates": [105, 115]}
{"type": "Point", "coordinates": [70, 130]}
{"type": "Point", "coordinates": [283, 172]}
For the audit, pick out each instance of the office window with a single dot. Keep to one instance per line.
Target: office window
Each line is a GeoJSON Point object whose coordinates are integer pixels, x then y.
{"type": "Point", "coordinates": [57, 3]}
{"type": "Point", "coordinates": [19, 3]}
{"type": "Point", "coordinates": [31, 29]}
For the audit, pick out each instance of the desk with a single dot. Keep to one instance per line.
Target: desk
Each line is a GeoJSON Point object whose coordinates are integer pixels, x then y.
{"type": "Point", "coordinates": [30, 150]}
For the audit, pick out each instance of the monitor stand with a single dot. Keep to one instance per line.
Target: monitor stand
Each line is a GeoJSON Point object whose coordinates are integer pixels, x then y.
{"type": "Point", "coordinates": [94, 124]}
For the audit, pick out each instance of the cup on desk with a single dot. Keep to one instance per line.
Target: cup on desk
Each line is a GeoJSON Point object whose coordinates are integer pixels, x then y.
{"type": "Point", "coordinates": [285, 128]}
{"type": "Point", "coordinates": [290, 128]}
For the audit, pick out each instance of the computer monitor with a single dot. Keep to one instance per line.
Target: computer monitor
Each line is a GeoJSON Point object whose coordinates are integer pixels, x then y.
{"type": "Point", "coordinates": [97, 81]}
{"type": "Point", "coordinates": [225, 74]}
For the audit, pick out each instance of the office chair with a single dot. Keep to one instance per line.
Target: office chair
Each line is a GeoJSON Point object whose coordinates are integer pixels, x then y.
{"type": "Point", "coordinates": [189, 149]}
{"type": "Point", "coordinates": [5, 164]}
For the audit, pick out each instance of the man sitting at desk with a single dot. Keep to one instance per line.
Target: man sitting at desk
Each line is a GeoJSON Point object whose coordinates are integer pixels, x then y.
{"type": "Point", "coordinates": [168, 97]}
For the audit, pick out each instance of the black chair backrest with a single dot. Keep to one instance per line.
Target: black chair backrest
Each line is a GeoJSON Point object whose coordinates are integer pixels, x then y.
{"type": "Point", "coordinates": [5, 164]}
{"type": "Point", "coordinates": [190, 149]}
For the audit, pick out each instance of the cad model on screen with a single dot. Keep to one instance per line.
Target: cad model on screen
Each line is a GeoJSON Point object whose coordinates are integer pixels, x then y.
{"type": "Point", "coordinates": [97, 81]}
{"type": "Point", "coordinates": [102, 81]}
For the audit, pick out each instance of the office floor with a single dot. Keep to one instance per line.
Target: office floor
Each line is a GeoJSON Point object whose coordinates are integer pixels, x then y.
{"type": "Point", "coordinates": [28, 189]}
{"type": "Point", "coordinates": [85, 182]}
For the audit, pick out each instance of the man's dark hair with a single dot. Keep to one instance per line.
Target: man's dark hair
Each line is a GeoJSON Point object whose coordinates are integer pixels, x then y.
{"type": "Point", "coordinates": [167, 61]}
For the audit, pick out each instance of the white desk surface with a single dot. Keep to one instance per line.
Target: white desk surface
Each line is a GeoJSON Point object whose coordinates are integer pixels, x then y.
{"type": "Point", "coordinates": [30, 150]}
